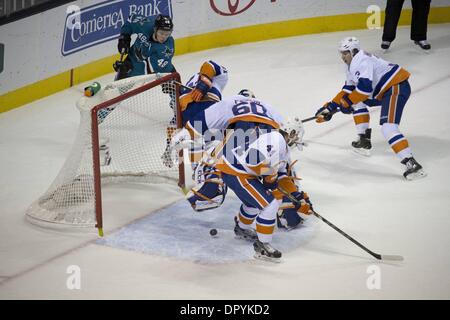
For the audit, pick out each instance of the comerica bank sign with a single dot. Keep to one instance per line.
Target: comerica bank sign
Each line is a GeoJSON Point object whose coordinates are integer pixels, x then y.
{"type": "Point", "coordinates": [90, 26]}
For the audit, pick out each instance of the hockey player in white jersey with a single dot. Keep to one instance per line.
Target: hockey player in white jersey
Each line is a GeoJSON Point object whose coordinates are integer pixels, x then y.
{"type": "Point", "coordinates": [253, 161]}
{"type": "Point", "coordinates": [208, 124]}
{"type": "Point", "coordinates": [254, 164]}
{"type": "Point", "coordinates": [371, 79]}
{"type": "Point", "coordinates": [202, 90]}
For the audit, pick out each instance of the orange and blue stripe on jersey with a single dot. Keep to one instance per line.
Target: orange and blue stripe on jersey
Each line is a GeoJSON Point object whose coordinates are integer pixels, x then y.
{"type": "Point", "coordinates": [361, 92]}
{"type": "Point", "coordinates": [346, 89]}
{"type": "Point", "coordinates": [234, 168]}
{"type": "Point", "coordinates": [395, 76]}
{"type": "Point", "coordinates": [213, 95]}
{"type": "Point", "coordinates": [364, 88]}
{"type": "Point", "coordinates": [211, 70]}
{"type": "Point", "coordinates": [255, 119]}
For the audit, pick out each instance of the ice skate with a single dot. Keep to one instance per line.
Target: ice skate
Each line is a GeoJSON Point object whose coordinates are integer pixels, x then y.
{"type": "Point", "coordinates": [385, 45]}
{"type": "Point", "coordinates": [265, 251]}
{"type": "Point", "coordinates": [247, 234]}
{"type": "Point", "coordinates": [423, 44]}
{"type": "Point", "coordinates": [414, 170]}
{"type": "Point", "coordinates": [363, 145]}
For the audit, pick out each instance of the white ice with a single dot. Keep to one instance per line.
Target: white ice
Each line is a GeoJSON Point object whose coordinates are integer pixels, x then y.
{"type": "Point", "coordinates": [366, 197]}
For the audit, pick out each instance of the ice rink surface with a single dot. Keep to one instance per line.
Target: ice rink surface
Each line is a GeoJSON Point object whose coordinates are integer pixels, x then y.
{"type": "Point", "coordinates": [155, 247]}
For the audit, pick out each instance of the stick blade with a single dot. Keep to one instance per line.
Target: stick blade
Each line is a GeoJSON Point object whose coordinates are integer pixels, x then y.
{"type": "Point", "coordinates": [391, 257]}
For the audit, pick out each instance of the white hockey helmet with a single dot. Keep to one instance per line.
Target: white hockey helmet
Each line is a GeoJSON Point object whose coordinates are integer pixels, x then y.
{"type": "Point", "coordinates": [349, 44]}
{"type": "Point", "coordinates": [293, 131]}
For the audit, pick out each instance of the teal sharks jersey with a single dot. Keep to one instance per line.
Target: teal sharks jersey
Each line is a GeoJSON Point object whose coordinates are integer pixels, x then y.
{"type": "Point", "coordinates": [146, 54]}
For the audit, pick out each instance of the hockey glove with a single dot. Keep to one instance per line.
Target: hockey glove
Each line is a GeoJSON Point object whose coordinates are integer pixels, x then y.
{"type": "Point", "coordinates": [123, 67]}
{"type": "Point", "coordinates": [326, 112]}
{"type": "Point", "coordinates": [303, 204]}
{"type": "Point", "coordinates": [271, 182]}
{"type": "Point", "coordinates": [346, 105]}
{"type": "Point", "coordinates": [124, 43]}
{"type": "Point", "coordinates": [204, 83]}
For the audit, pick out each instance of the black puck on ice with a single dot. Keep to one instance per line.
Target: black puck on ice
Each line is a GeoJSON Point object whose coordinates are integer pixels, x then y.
{"type": "Point", "coordinates": [213, 232]}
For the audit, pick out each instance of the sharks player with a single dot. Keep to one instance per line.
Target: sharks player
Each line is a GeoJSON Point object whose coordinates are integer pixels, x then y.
{"type": "Point", "coordinates": [369, 78]}
{"type": "Point", "coordinates": [253, 162]}
{"type": "Point", "coordinates": [151, 52]}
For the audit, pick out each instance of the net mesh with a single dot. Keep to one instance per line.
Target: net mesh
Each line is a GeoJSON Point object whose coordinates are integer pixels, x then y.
{"type": "Point", "coordinates": [133, 136]}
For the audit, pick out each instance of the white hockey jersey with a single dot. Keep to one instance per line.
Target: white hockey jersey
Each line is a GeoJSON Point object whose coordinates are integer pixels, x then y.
{"type": "Point", "coordinates": [268, 155]}
{"type": "Point", "coordinates": [219, 77]}
{"type": "Point", "coordinates": [231, 110]}
{"type": "Point", "coordinates": [369, 76]}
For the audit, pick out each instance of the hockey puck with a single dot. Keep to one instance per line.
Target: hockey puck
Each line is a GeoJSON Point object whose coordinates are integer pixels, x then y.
{"type": "Point", "coordinates": [213, 232]}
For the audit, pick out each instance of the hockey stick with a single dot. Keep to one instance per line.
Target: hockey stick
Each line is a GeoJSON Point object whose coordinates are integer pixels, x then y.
{"type": "Point", "coordinates": [309, 119]}
{"type": "Point", "coordinates": [116, 66]}
{"type": "Point", "coordinates": [376, 255]}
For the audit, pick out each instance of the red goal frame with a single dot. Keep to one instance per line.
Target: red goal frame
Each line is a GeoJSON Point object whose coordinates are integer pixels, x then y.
{"type": "Point", "coordinates": [95, 138]}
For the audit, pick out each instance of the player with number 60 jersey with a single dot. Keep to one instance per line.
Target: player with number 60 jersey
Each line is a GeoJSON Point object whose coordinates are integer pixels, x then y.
{"type": "Point", "coordinates": [225, 113]}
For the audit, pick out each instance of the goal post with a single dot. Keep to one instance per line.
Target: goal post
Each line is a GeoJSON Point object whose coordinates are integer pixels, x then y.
{"type": "Point", "coordinates": [123, 137]}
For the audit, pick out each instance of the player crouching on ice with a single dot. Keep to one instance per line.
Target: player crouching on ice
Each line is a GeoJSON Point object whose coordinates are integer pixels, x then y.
{"type": "Point", "coordinates": [371, 79]}
{"type": "Point", "coordinates": [253, 163]}
{"type": "Point", "coordinates": [254, 170]}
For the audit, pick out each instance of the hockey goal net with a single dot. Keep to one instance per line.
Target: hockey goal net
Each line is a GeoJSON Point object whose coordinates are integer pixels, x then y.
{"type": "Point", "coordinates": [122, 137]}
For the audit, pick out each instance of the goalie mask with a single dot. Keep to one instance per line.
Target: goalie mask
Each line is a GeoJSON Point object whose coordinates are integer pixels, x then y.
{"type": "Point", "coordinates": [293, 131]}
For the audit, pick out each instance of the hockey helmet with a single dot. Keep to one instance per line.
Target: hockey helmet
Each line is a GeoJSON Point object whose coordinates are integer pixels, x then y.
{"type": "Point", "coordinates": [163, 23]}
{"type": "Point", "coordinates": [293, 132]}
{"type": "Point", "coordinates": [349, 44]}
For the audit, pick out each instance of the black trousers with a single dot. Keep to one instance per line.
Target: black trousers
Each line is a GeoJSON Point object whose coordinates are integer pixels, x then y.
{"type": "Point", "coordinates": [419, 21]}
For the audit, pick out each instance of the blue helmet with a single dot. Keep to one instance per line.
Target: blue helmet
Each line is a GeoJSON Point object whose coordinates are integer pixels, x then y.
{"type": "Point", "coordinates": [247, 93]}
